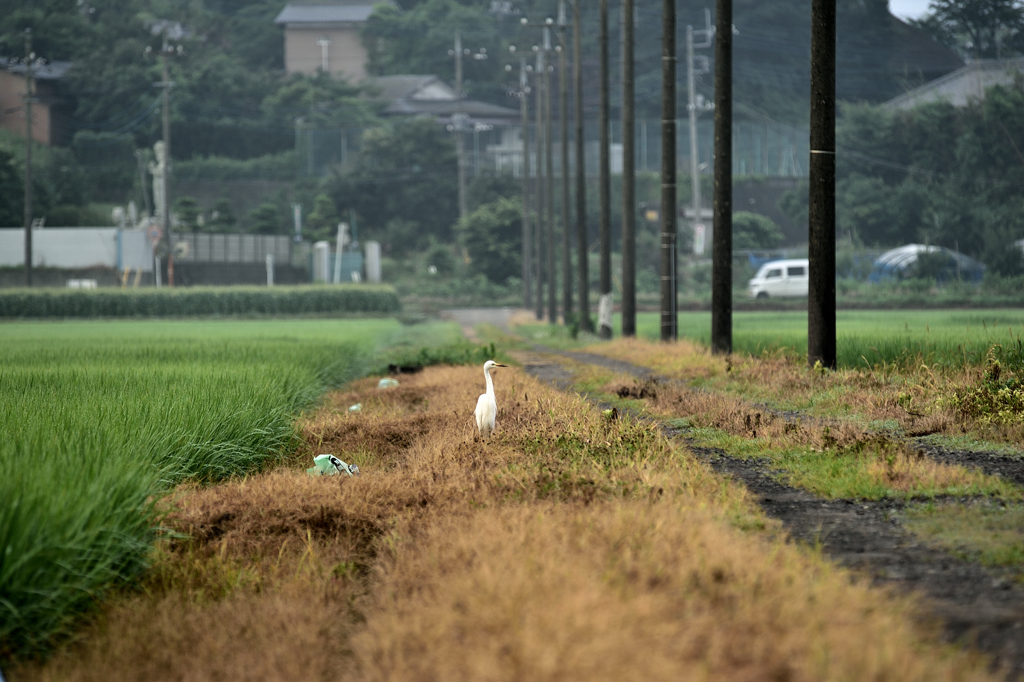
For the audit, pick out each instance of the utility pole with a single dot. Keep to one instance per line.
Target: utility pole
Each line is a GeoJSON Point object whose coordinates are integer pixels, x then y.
{"type": "Point", "coordinates": [604, 188]}
{"type": "Point", "coordinates": [694, 106]}
{"type": "Point", "coordinates": [29, 58]}
{"type": "Point", "coordinates": [821, 300]}
{"type": "Point", "coordinates": [581, 172]}
{"type": "Point", "coordinates": [165, 219]}
{"type": "Point", "coordinates": [460, 150]}
{"type": "Point", "coordinates": [563, 88]}
{"type": "Point", "coordinates": [669, 330]}
{"type": "Point", "coordinates": [628, 176]}
{"type": "Point", "coordinates": [721, 267]}
{"type": "Point", "coordinates": [549, 193]}
{"type": "Point", "coordinates": [524, 115]}
{"type": "Point", "coordinates": [542, 189]}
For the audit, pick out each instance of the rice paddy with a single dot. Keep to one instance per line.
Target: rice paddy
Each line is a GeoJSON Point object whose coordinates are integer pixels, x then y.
{"type": "Point", "coordinates": [101, 418]}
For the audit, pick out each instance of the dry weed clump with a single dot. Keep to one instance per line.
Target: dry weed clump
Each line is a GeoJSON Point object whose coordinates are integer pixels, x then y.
{"type": "Point", "coordinates": [625, 589]}
{"type": "Point", "coordinates": [571, 545]}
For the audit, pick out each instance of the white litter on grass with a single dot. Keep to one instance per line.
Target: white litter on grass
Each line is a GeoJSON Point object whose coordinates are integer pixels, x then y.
{"type": "Point", "coordinates": [356, 408]}
{"type": "Point", "coordinates": [329, 465]}
{"type": "Point", "coordinates": [387, 383]}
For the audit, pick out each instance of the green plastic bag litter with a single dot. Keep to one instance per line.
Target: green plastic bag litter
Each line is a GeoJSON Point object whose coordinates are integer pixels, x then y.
{"type": "Point", "coordinates": [329, 465]}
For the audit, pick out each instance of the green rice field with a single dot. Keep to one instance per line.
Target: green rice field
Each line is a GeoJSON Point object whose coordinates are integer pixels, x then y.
{"type": "Point", "coordinates": [102, 417]}
{"type": "Point", "coordinates": [864, 337]}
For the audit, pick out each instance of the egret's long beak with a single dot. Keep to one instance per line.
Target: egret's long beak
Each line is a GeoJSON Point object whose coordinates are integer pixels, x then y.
{"type": "Point", "coordinates": [497, 365]}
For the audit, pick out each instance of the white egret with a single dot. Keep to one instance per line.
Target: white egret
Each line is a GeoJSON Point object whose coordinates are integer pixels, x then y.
{"type": "Point", "coordinates": [486, 405]}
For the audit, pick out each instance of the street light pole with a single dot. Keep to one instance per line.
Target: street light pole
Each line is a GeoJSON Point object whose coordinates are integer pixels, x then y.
{"type": "Point", "coordinates": [541, 188]}
{"type": "Point", "coordinates": [669, 329]}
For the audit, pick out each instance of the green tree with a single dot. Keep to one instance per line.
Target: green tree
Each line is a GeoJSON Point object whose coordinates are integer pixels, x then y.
{"type": "Point", "coordinates": [404, 186]}
{"type": "Point", "coordinates": [187, 211]}
{"type": "Point", "coordinates": [12, 192]}
{"type": "Point", "coordinates": [492, 236]}
{"type": "Point", "coordinates": [222, 218]}
{"type": "Point", "coordinates": [753, 231]}
{"type": "Point", "coordinates": [979, 29]}
{"type": "Point", "coordinates": [266, 219]}
{"type": "Point", "coordinates": [322, 221]}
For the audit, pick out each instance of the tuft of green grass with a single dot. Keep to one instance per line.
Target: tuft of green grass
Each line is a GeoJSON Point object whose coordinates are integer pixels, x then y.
{"type": "Point", "coordinates": [990, 533]}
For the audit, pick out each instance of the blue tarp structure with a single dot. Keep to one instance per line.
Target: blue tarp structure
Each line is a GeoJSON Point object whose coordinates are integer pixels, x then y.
{"type": "Point", "coordinates": [900, 263]}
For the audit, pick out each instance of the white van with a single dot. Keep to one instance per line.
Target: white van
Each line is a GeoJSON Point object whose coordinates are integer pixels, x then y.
{"type": "Point", "coordinates": [780, 278]}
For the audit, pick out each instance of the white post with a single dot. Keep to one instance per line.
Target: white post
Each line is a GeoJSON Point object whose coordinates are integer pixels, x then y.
{"type": "Point", "coordinates": [338, 249]}
{"type": "Point", "coordinates": [373, 262]}
{"type": "Point", "coordinates": [321, 257]}
{"type": "Point", "coordinates": [270, 269]}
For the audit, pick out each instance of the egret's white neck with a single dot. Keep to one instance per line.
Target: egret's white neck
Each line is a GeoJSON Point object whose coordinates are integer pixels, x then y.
{"type": "Point", "coordinates": [490, 384]}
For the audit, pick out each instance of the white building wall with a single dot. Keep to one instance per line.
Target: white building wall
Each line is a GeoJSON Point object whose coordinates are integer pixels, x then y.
{"type": "Point", "coordinates": [78, 247]}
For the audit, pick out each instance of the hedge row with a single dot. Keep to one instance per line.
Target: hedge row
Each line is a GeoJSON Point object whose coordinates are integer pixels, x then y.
{"type": "Point", "coordinates": [164, 302]}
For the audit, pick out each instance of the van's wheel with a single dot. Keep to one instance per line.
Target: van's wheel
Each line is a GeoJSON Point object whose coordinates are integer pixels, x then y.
{"type": "Point", "coordinates": [762, 294]}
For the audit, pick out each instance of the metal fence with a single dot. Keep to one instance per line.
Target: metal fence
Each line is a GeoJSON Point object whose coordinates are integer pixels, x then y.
{"type": "Point", "coordinates": [233, 248]}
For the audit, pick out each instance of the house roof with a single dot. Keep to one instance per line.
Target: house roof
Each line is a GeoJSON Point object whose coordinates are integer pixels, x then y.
{"type": "Point", "coordinates": [424, 95]}
{"type": "Point", "coordinates": [409, 86]}
{"type": "Point", "coordinates": [963, 85]}
{"type": "Point", "coordinates": [316, 13]}
{"type": "Point", "coordinates": [50, 71]}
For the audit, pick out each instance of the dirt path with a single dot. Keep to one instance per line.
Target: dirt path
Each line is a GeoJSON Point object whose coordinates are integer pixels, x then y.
{"type": "Point", "coordinates": [977, 606]}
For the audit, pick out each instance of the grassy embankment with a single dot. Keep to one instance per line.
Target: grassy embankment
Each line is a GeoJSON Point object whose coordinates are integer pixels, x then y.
{"type": "Point", "coordinates": [100, 419]}
{"type": "Point", "coordinates": [949, 377]}
{"type": "Point", "coordinates": [570, 546]}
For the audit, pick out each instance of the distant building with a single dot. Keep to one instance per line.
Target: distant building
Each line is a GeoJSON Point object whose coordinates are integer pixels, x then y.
{"type": "Point", "coordinates": [324, 36]}
{"type": "Point", "coordinates": [963, 85]}
{"type": "Point", "coordinates": [51, 117]}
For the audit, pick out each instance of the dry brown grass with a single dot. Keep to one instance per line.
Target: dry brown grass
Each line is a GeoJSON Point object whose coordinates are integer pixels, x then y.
{"type": "Point", "coordinates": [908, 400]}
{"type": "Point", "coordinates": [569, 546]}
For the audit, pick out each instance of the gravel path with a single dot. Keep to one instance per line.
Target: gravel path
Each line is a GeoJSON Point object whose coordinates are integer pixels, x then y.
{"type": "Point", "coordinates": [977, 606]}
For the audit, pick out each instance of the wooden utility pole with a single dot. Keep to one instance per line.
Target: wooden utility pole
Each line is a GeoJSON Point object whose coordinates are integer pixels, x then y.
{"type": "Point", "coordinates": [460, 144]}
{"type": "Point", "coordinates": [628, 176]}
{"type": "Point", "coordinates": [604, 188]}
{"type": "Point", "coordinates": [582, 248]}
{"type": "Point", "coordinates": [29, 58]}
{"type": "Point", "coordinates": [821, 299]}
{"type": "Point", "coordinates": [563, 91]}
{"type": "Point", "coordinates": [669, 330]}
{"type": "Point", "coordinates": [539, 69]}
{"type": "Point", "coordinates": [524, 90]}
{"type": "Point", "coordinates": [721, 269]}
{"type": "Point", "coordinates": [165, 217]}
{"type": "Point", "coordinates": [549, 193]}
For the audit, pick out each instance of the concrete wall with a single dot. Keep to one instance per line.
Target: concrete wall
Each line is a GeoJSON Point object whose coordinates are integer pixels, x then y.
{"type": "Point", "coordinates": [77, 247]}
{"type": "Point", "coordinates": [345, 55]}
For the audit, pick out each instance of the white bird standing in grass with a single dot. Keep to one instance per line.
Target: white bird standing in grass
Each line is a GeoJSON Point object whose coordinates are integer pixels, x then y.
{"type": "Point", "coordinates": [486, 405]}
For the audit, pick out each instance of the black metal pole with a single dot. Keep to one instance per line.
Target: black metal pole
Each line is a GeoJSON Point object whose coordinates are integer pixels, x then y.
{"type": "Point", "coordinates": [821, 299]}
{"type": "Point", "coordinates": [582, 247]}
{"type": "Point", "coordinates": [669, 330]}
{"type": "Point", "coordinates": [628, 176]}
{"type": "Point", "coordinates": [604, 187]}
{"type": "Point", "coordinates": [721, 268]}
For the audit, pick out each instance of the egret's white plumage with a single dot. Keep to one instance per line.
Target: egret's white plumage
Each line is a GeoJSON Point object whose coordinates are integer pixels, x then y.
{"type": "Point", "coordinates": [486, 405]}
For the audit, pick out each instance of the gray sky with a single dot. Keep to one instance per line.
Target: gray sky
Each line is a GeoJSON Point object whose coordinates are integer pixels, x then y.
{"type": "Point", "coordinates": [908, 9]}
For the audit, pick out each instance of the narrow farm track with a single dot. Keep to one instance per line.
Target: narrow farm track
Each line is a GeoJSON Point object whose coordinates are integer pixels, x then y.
{"type": "Point", "coordinates": [977, 606]}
